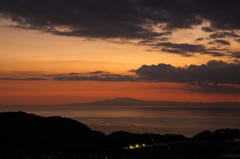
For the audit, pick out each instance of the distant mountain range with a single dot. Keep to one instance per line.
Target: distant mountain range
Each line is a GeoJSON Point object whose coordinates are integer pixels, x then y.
{"type": "Point", "coordinates": [125, 101]}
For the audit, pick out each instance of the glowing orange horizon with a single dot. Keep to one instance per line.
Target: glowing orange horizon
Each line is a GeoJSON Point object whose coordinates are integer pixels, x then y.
{"type": "Point", "coordinates": [63, 92]}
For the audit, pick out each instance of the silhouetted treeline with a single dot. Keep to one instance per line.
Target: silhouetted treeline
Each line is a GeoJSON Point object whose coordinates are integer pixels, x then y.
{"type": "Point", "coordinates": [33, 134]}
{"type": "Point", "coordinates": [119, 139]}
{"type": "Point", "coordinates": [28, 134]}
{"type": "Point", "coordinates": [220, 135]}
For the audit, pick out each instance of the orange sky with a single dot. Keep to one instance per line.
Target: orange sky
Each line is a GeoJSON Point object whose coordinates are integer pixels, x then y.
{"type": "Point", "coordinates": [28, 53]}
{"type": "Point", "coordinates": [63, 92]}
{"type": "Point", "coordinates": [28, 50]}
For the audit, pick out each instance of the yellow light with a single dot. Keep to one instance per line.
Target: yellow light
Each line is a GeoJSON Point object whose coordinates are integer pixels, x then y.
{"type": "Point", "coordinates": [137, 145]}
{"type": "Point", "coordinates": [144, 145]}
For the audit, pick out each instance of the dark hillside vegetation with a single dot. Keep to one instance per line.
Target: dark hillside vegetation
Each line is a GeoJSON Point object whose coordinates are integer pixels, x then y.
{"type": "Point", "coordinates": [23, 135]}
{"type": "Point", "coordinates": [33, 134]}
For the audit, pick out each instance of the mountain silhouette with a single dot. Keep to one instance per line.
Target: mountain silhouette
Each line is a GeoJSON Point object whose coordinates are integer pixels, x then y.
{"type": "Point", "coordinates": [125, 101]}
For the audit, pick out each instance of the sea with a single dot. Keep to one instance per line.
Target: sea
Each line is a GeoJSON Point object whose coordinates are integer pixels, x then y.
{"type": "Point", "coordinates": [187, 121]}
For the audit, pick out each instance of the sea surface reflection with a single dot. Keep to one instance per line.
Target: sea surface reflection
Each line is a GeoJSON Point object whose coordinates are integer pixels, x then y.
{"type": "Point", "coordinates": [159, 119]}
{"type": "Point", "coordinates": [187, 126]}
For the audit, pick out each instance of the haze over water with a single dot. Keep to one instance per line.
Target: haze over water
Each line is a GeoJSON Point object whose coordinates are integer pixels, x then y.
{"type": "Point", "coordinates": [187, 121]}
{"type": "Point", "coordinates": [187, 126]}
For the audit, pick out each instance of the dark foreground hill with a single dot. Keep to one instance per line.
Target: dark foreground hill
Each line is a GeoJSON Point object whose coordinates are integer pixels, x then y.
{"type": "Point", "coordinates": [23, 134]}
{"type": "Point", "coordinates": [33, 134]}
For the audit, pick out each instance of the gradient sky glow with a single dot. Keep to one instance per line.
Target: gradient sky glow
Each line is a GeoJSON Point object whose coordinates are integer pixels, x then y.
{"type": "Point", "coordinates": [59, 52]}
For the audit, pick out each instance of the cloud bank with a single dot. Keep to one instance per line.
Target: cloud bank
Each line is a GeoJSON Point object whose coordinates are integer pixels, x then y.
{"type": "Point", "coordinates": [149, 21]}
{"type": "Point", "coordinates": [216, 72]}
{"type": "Point", "coordinates": [120, 18]}
{"type": "Point", "coordinates": [213, 77]}
{"type": "Point", "coordinates": [212, 72]}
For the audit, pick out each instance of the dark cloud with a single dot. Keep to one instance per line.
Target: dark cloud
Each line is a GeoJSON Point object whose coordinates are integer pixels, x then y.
{"type": "Point", "coordinates": [223, 42]}
{"type": "Point", "coordinates": [111, 75]}
{"type": "Point", "coordinates": [235, 54]}
{"type": "Point", "coordinates": [215, 54]}
{"type": "Point", "coordinates": [131, 70]}
{"type": "Point", "coordinates": [120, 21]}
{"type": "Point", "coordinates": [199, 39]}
{"type": "Point", "coordinates": [216, 72]}
{"type": "Point", "coordinates": [176, 51]}
{"type": "Point", "coordinates": [136, 32]}
{"type": "Point", "coordinates": [33, 79]}
{"type": "Point", "coordinates": [225, 51]}
{"type": "Point", "coordinates": [215, 88]}
{"type": "Point", "coordinates": [211, 42]}
{"type": "Point", "coordinates": [207, 29]}
{"type": "Point", "coordinates": [222, 15]}
{"type": "Point", "coordinates": [185, 49]}
{"type": "Point", "coordinates": [98, 72]}
{"type": "Point", "coordinates": [111, 78]}
{"type": "Point", "coordinates": [224, 34]}
{"type": "Point", "coordinates": [149, 50]}
{"type": "Point", "coordinates": [213, 77]}
{"type": "Point", "coordinates": [212, 72]}
{"type": "Point", "coordinates": [238, 40]}
{"type": "Point", "coordinates": [27, 79]}
{"type": "Point", "coordinates": [83, 18]}
{"type": "Point", "coordinates": [61, 78]}
{"type": "Point", "coordinates": [68, 74]}
{"type": "Point", "coordinates": [119, 18]}
{"type": "Point", "coordinates": [73, 73]}
{"type": "Point", "coordinates": [152, 40]}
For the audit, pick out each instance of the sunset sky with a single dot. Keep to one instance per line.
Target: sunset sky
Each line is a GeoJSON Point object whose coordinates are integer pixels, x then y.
{"type": "Point", "coordinates": [70, 51]}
